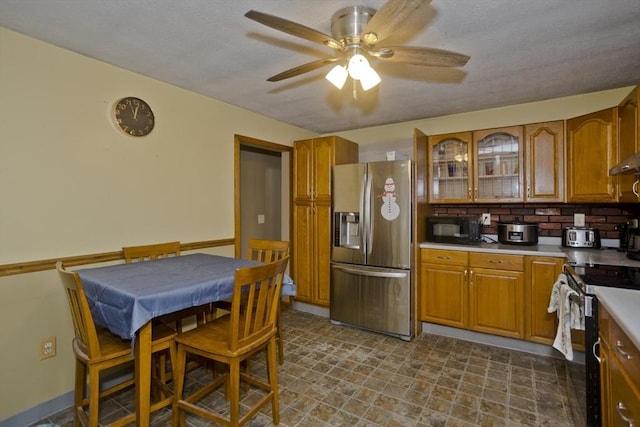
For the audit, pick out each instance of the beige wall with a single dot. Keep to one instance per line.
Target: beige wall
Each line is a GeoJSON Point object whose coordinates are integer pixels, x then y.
{"type": "Point", "coordinates": [399, 136]}
{"type": "Point", "coordinates": [72, 184]}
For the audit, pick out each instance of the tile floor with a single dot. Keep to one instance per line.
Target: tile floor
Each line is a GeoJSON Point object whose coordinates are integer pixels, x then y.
{"type": "Point", "coordinates": [339, 376]}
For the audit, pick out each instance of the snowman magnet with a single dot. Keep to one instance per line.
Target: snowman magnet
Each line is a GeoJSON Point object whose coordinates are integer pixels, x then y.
{"type": "Point", "coordinates": [390, 208]}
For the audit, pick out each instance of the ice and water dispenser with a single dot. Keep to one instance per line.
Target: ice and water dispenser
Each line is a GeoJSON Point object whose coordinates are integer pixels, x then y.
{"type": "Point", "coordinates": [347, 230]}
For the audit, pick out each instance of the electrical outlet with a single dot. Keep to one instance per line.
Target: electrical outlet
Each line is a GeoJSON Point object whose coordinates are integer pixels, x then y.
{"type": "Point", "coordinates": [47, 347]}
{"type": "Point", "coordinates": [486, 219]}
{"type": "Point", "coordinates": [578, 220]}
{"type": "Point", "coordinates": [261, 219]}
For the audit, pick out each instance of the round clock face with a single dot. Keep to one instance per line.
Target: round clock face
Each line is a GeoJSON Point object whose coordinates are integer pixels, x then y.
{"type": "Point", "coordinates": [133, 116]}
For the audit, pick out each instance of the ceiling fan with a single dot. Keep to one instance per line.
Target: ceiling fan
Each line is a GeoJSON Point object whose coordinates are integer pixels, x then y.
{"type": "Point", "coordinates": [356, 31]}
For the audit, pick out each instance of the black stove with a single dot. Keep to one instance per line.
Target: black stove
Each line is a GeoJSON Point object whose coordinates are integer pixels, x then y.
{"type": "Point", "coordinates": [613, 276]}
{"type": "Point", "coordinates": [584, 278]}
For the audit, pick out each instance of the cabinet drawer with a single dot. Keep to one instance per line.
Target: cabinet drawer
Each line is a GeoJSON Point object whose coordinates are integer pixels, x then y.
{"type": "Point", "coordinates": [625, 401]}
{"type": "Point", "coordinates": [441, 256]}
{"type": "Point", "coordinates": [497, 261]}
{"type": "Point", "coordinates": [625, 352]}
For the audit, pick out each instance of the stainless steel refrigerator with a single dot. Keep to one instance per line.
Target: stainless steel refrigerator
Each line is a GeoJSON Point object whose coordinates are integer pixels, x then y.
{"type": "Point", "coordinates": [371, 252]}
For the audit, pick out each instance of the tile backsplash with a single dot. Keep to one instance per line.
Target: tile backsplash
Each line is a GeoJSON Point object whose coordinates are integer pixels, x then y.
{"type": "Point", "coordinates": [551, 218]}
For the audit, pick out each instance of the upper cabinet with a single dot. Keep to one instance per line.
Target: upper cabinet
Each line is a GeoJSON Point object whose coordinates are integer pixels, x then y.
{"type": "Point", "coordinates": [488, 166]}
{"type": "Point", "coordinates": [628, 141]}
{"type": "Point", "coordinates": [544, 165]}
{"type": "Point", "coordinates": [450, 168]}
{"type": "Point", "coordinates": [592, 149]}
{"type": "Point", "coordinates": [498, 165]}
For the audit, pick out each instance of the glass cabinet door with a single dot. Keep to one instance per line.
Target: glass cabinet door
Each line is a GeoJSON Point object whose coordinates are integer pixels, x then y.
{"type": "Point", "coordinates": [498, 164]}
{"type": "Point", "coordinates": [450, 172]}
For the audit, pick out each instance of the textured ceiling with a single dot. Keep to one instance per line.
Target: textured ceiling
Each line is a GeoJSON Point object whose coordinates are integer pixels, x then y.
{"type": "Point", "coordinates": [521, 51]}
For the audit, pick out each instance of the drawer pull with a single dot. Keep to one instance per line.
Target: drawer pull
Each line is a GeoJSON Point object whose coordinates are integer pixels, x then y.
{"type": "Point", "coordinates": [621, 410]}
{"type": "Point", "coordinates": [593, 350]}
{"type": "Point", "coordinates": [493, 261]}
{"type": "Point", "coordinates": [443, 257]}
{"type": "Point", "coordinates": [621, 351]}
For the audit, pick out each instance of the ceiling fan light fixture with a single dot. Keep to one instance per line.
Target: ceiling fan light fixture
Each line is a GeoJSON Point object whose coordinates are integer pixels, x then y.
{"type": "Point", "coordinates": [337, 76]}
{"type": "Point", "coordinates": [369, 79]}
{"type": "Point", "coordinates": [358, 66]}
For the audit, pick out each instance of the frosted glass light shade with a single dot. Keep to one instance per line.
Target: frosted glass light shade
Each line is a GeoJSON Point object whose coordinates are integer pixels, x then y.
{"type": "Point", "coordinates": [369, 78]}
{"type": "Point", "coordinates": [358, 65]}
{"type": "Point", "coordinates": [337, 76]}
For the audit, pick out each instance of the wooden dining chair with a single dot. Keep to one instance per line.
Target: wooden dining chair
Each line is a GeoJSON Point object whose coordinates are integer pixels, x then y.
{"type": "Point", "coordinates": [249, 328]}
{"type": "Point", "coordinates": [269, 251]}
{"type": "Point", "coordinates": [265, 251]}
{"type": "Point", "coordinates": [96, 350]}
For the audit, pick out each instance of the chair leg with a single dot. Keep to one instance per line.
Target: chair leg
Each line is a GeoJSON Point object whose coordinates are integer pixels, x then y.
{"type": "Point", "coordinates": [178, 418]}
{"type": "Point", "coordinates": [234, 392]}
{"type": "Point", "coordinates": [80, 390]}
{"type": "Point", "coordinates": [273, 380]}
{"type": "Point", "coordinates": [279, 338]}
{"type": "Point", "coordinates": [94, 396]}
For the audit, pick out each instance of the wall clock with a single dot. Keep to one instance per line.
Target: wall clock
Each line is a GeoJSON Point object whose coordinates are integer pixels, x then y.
{"type": "Point", "coordinates": [133, 116]}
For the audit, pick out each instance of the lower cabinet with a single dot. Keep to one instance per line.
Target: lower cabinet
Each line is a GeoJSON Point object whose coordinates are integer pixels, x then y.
{"type": "Point", "coordinates": [540, 325]}
{"type": "Point", "coordinates": [444, 297]}
{"type": "Point", "coordinates": [481, 292]}
{"type": "Point", "coordinates": [496, 294]}
{"type": "Point", "coordinates": [506, 295]}
{"type": "Point", "coordinates": [619, 374]}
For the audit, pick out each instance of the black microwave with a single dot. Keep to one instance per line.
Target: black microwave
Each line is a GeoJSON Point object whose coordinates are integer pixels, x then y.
{"type": "Point", "coordinates": [464, 230]}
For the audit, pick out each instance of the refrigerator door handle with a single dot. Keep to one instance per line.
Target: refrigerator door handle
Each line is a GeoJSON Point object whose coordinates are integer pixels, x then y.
{"type": "Point", "coordinates": [364, 228]}
{"type": "Point", "coordinates": [360, 272]}
{"type": "Point", "coordinates": [368, 213]}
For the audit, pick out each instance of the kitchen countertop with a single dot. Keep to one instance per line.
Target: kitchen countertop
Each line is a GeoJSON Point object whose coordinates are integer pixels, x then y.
{"type": "Point", "coordinates": [624, 307]}
{"type": "Point", "coordinates": [548, 247]}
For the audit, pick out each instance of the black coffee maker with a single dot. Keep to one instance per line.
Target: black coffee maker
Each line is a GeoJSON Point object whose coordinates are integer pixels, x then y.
{"type": "Point", "coordinates": [630, 237]}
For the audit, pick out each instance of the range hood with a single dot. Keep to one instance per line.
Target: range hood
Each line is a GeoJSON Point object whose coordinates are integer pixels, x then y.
{"type": "Point", "coordinates": [629, 166]}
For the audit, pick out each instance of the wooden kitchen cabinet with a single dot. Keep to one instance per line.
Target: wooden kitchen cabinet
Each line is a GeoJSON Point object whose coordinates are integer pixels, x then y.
{"type": "Point", "coordinates": [444, 298]}
{"type": "Point", "coordinates": [544, 158]}
{"type": "Point", "coordinates": [476, 291]}
{"type": "Point", "coordinates": [619, 374]}
{"type": "Point", "coordinates": [312, 163]}
{"type": "Point", "coordinates": [450, 173]}
{"type": "Point", "coordinates": [496, 294]}
{"type": "Point", "coordinates": [592, 149]}
{"type": "Point", "coordinates": [629, 141]}
{"type": "Point", "coordinates": [540, 325]}
{"type": "Point", "coordinates": [498, 160]}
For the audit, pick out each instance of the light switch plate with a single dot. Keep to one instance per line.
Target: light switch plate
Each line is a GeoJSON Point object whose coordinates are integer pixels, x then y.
{"type": "Point", "coordinates": [260, 219]}
{"type": "Point", "coordinates": [578, 220]}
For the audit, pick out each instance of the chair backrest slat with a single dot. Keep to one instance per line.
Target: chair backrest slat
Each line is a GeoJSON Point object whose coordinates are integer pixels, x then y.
{"type": "Point", "coordinates": [150, 252]}
{"type": "Point", "coordinates": [267, 250]}
{"type": "Point", "coordinates": [255, 303]}
{"type": "Point", "coordinates": [86, 337]}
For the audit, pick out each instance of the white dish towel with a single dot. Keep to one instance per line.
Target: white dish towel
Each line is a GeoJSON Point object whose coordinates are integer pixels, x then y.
{"type": "Point", "coordinates": [570, 315]}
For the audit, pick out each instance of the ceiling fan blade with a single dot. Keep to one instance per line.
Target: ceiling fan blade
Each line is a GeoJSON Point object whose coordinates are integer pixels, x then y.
{"type": "Point", "coordinates": [392, 14]}
{"type": "Point", "coordinates": [421, 56]}
{"type": "Point", "coordinates": [301, 69]}
{"type": "Point", "coordinates": [293, 28]}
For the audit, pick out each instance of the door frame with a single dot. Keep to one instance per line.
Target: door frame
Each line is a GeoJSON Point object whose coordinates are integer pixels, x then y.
{"type": "Point", "coordinates": [239, 141]}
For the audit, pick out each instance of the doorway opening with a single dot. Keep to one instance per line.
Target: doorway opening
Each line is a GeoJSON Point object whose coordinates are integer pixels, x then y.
{"type": "Point", "coordinates": [262, 191]}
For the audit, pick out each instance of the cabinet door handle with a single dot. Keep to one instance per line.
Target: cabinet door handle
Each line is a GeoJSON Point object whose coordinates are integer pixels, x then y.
{"type": "Point", "coordinates": [593, 350]}
{"type": "Point", "coordinates": [623, 353]}
{"type": "Point", "coordinates": [621, 410]}
{"type": "Point", "coordinates": [528, 191]}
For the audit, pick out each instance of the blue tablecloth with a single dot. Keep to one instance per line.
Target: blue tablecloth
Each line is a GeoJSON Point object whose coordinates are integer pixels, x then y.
{"type": "Point", "coordinates": [124, 297]}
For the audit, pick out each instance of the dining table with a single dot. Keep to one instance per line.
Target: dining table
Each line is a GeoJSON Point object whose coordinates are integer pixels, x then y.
{"type": "Point", "coordinates": [125, 298]}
